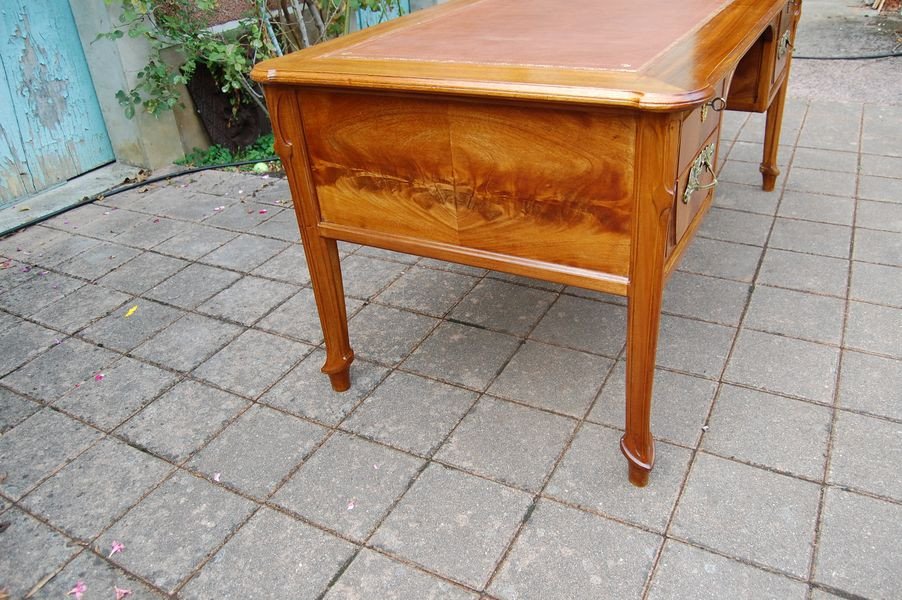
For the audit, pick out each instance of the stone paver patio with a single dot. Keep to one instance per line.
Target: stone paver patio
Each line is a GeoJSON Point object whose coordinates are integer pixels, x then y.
{"type": "Point", "coordinates": [477, 454]}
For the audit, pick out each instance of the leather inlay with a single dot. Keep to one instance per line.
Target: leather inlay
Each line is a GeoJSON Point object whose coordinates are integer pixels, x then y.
{"type": "Point", "coordinates": [584, 34]}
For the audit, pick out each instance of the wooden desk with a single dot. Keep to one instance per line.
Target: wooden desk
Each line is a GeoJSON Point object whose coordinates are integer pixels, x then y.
{"type": "Point", "coordinates": [577, 146]}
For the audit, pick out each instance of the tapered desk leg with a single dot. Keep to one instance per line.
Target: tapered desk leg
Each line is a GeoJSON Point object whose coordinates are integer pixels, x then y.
{"type": "Point", "coordinates": [651, 219]}
{"type": "Point", "coordinates": [325, 275]}
{"type": "Point", "coordinates": [769, 169]}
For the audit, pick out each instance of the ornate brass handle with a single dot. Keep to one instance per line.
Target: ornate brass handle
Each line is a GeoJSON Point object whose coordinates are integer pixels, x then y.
{"type": "Point", "coordinates": [785, 45]}
{"type": "Point", "coordinates": [703, 162]}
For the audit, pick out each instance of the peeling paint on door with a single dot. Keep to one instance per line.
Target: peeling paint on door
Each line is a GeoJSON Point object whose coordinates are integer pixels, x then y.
{"type": "Point", "coordinates": [51, 128]}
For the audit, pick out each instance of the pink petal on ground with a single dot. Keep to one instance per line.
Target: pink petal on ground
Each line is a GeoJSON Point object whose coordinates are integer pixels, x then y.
{"type": "Point", "coordinates": [352, 504]}
{"type": "Point", "coordinates": [120, 593]}
{"type": "Point", "coordinates": [116, 547]}
{"type": "Point", "coordinates": [263, 211]}
{"type": "Point", "coordinates": [78, 590]}
{"type": "Point", "coordinates": [156, 220]}
{"type": "Point", "coordinates": [99, 377]}
{"type": "Point", "coordinates": [216, 477]}
{"type": "Point", "coordinates": [219, 208]}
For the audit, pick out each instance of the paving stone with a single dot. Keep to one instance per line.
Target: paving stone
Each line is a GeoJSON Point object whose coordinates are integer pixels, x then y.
{"type": "Point", "coordinates": [151, 231]}
{"type": "Point", "coordinates": [411, 413]}
{"type": "Point", "coordinates": [372, 575]}
{"type": "Point", "coordinates": [427, 291]}
{"type": "Point", "coordinates": [366, 277]}
{"type": "Point", "coordinates": [142, 273]}
{"type": "Point", "coordinates": [784, 366]}
{"type": "Point", "coordinates": [866, 454]}
{"type": "Point", "coordinates": [749, 513]}
{"type": "Point", "coordinates": [881, 166]}
{"type": "Point", "coordinates": [584, 325]}
{"type": "Point", "coordinates": [98, 260]}
{"type": "Point", "coordinates": [721, 259]}
{"type": "Point", "coordinates": [753, 151]}
{"type": "Point", "coordinates": [242, 216]}
{"type": "Point", "coordinates": [746, 197]}
{"type": "Point", "coordinates": [593, 475]}
{"type": "Point", "coordinates": [247, 300]}
{"type": "Point", "coordinates": [252, 362]}
{"type": "Point", "coordinates": [553, 378]}
{"type": "Point", "coordinates": [706, 298]}
{"type": "Point", "coordinates": [680, 404]}
{"type": "Point", "coordinates": [16, 273]}
{"type": "Point", "coordinates": [230, 185]}
{"type": "Point", "coordinates": [126, 387]}
{"type": "Point", "coordinates": [298, 318]}
{"type": "Point", "coordinates": [770, 431]}
{"type": "Point", "coordinates": [687, 572]}
{"type": "Point", "coordinates": [880, 131]}
{"type": "Point", "coordinates": [740, 173]}
{"type": "Point", "coordinates": [876, 283]}
{"type": "Point", "coordinates": [48, 439]}
{"type": "Point", "coordinates": [462, 354]}
{"type": "Point", "coordinates": [886, 216]}
{"type": "Point", "coordinates": [14, 409]}
{"type": "Point", "coordinates": [7, 320]}
{"type": "Point", "coordinates": [870, 383]}
{"type": "Point", "coordinates": [290, 265]}
{"type": "Point", "coordinates": [693, 346]}
{"type": "Point", "coordinates": [796, 314]}
{"type": "Point", "coordinates": [110, 223]}
{"type": "Point", "coordinates": [76, 218]}
{"type": "Point", "coordinates": [306, 390]}
{"type": "Point", "coordinates": [92, 491]}
{"type": "Point", "coordinates": [187, 342]}
{"type": "Point", "coordinates": [182, 420]}
{"type": "Point", "coordinates": [59, 370]}
{"type": "Point", "coordinates": [277, 557]}
{"type": "Point", "coordinates": [29, 552]}
{"type": "Point", "coordinates": [124, 333]}
{"type": "Point", "coordinates": [185, 204]}
{"type": "Point", "coordinates": [804, 272]}
{"type": "Point", "coordinates": [441, 265]}
{"type": "Point", "coordinates": [878, 247]}
{"type": "Point", "coordinates": [275, 191]}
{"type": "Point", "coordinates": [880, 188]}
{"type": "Point", "coordinates": [858, 545]}
{"type": "Point", "coordinates": [832, 127]}
{"type": "Point", "coordinates": [811, 238]}
{"type": "Point", "coordinates": [195, 241]}
{"type": "Point", "coordinates": [454, 524]}
{"type": "Point", "coordinates": [821, 182]}
{"type": "Point", "coordinates": [593, 295]}
{"type": "Point", "coordinates": [62, 248]}
{"type": "Point", "coordinates": [244, 253]}
{"type": "Point", "coordinates": [29, 240]}
{"type": "Point", "coordinates": [349, 485]}
{"type": "Point", "coordinates": [258, 450]}
{"type": "Point", "coordinates": [80, 308]}
{"type": "Point", "coordinates": [172, 530]}
{"type": "Point", "coordinates": [23, 341]}
{"type": "Point", "coordinates": [508, 443]}
{"type": "Point", "coordinates": [283, 226]}
{"type": "Point", "coordinates": [101, 580]}
{"type": "Point", "coordinates": [816, 207]}
{"type": "Point", "coordinates": [564, 549]}
{"type": "Point", "coordinates": [874, 328]}
{"type": "Point", "coordinates": [503, 306]}
{"type": "Point", "coordinates": [387, 335]}
{"type": "Point", "coordinates": [382, 254]}
{"type": "Point", "coordinates": [736, 226]}
{"type": "Point", "coordinates": [190, 287]}
{"type": "Point", "coordinates": [826, 160]}
{"type": "Point", "coordinates": [38, 292]}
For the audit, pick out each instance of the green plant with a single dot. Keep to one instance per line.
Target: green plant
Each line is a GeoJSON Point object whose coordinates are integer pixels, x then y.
{"type": "Point", "coordinates": [260, 150]}
{"type": "Point", "coordinates": [262, 33]}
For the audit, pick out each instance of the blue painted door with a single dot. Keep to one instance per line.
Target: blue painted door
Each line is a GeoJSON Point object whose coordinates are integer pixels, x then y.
{"type": "Point", "coordinates": [51, 128]}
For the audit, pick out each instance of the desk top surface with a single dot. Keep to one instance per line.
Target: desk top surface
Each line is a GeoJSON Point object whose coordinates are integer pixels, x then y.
{"type": "Point", "coordinates": [652, 55]}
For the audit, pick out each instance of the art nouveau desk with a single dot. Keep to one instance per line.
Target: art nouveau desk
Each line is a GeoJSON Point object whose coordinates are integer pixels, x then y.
{"type": "Point", "coordinates": [573, 142]}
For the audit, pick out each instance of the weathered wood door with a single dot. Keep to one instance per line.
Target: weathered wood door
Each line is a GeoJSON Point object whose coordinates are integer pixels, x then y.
{"type": "Point", "coordinates": [51, 128]}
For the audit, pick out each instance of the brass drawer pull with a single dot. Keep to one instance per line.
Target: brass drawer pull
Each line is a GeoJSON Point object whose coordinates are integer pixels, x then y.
{"type": "Point", "coordinates": [703, 162]}
{"type": "Point", "coordinates": [785, 45]}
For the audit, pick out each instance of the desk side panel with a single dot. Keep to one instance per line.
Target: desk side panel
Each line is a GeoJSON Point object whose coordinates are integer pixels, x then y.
{"type": "Point", "coordinates": [547, 184]}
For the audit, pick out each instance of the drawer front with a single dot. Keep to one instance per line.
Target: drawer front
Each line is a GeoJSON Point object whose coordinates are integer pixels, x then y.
{"type": "Point", "coordinates": [696, 184]}
{"type": "Point", "coordinates": [783, 45]}
{"type": "Point", "coordinates": [699, 125]}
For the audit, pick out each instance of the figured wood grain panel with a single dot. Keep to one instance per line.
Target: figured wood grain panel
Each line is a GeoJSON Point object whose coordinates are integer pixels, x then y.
{"type": "Point", "coordinates": [546, 184]}
{"type": "Point", "coordinates": [381, 162]}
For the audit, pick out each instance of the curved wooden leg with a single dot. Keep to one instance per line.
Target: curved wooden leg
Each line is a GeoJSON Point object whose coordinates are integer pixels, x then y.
{"type": "Point", "coordinates": [325, 275]}
{"type": "Point", "coordinates": [769, 169]}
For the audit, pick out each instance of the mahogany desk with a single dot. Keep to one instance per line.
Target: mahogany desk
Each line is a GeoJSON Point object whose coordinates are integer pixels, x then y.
{"type": "Point", "coordinates": [573, 145]}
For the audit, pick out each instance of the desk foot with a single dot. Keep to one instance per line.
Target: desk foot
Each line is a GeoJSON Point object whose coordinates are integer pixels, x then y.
{"type": "Point", "coordinates": [341, 381]}
{"type": "Point", "coordinates": [638, 469]}
{"type": "Point", "coordinates": [769, 174]}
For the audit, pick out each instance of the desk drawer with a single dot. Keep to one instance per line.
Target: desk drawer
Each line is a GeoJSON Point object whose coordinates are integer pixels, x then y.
{"type": "Point", "coordinates": [696, 185]}
{"type": "Point", "coordinates": [783, 45]}
{"type": "Point", "coordinates": [699, 125]}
